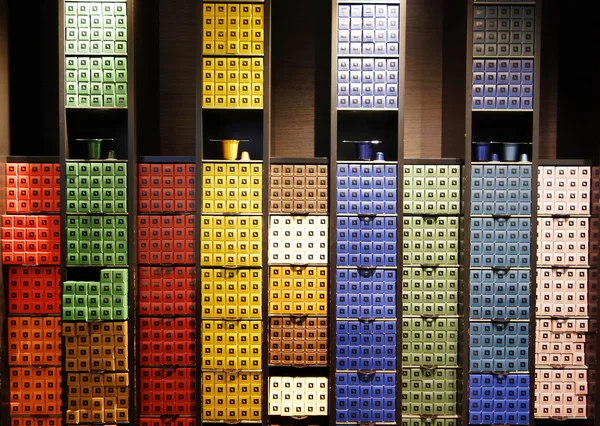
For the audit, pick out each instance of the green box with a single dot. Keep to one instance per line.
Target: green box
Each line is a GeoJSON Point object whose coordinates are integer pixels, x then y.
{"type": "Point", "coordinates": [121, 88]}
{"type": "Point", "coordinates": [120, 64]}
{"type": "Point", "coordinates": [93, 301]}
{"type": "Point", "coordinates": [83, 88]}
{"type": "Point", "coordinates": [95, 194]}
{"type": "Point", "coordinates": [119, 206]}
{"type": "Point", "coordinates": [121, 76]}
{"type": "Point", "coordinates": [109, 222]}
{"type": "Point", "coordinates": [120, 194]}
{"type": "Point", "coordinates": [120, 313]}
{"type": "Point", "coordinates": [120, 289]}
{"type": "Point", "coordinates": [95, 46]}
{"type": "Point", "coordinates": [70, 47]}
{"type": "Point", "coordinates": [83, 47]}
{"type": "Point", "coordinates": [83, 34]}
{"type": "Point", "coordinates": [121, 101]}
{"type": "Point", "coordinates": [95, 63]}
{"type": "Point", "coordinates": [120, 237]}
{"type": "Point", "coordinates": [108, 258]}
{"type": "Point", "coordinates": [70, 76]}
{"type": "Point", "coordinates": [96, 247]}
{"type": "Point", "coordinates": [108, 194]}
{"type": "Point", "coordinates": [106, 314]}
{"type": "Point", "coordinates": [93, 313]}
{"type": "Point", "coordinates": [120, 22]}
{"type": "Point", "coordinates": [83, 206]}
{"type": "Point", "coordinates": [108, 63]}
{"type": "Point", "coordinates": [96, 101]}
{"type": "Point", "coordinates": [121, 259]}
{"type": "Point", "coordinates": [71, 8]}
{"type": "Point", "coordinates": [108, 234]}
{"type": "Point", "coordinates": [96, 259]}
{"type": "Point", "coordinates": [71, 100]}
{"type": "Point", "coordinates": [108, 101]}
{"type": "Point", "coordinates": [120, 9]}
{"type": "Point", "coordinates": [71, 88]}
{"type": "Point", "coordinates": [83, 101]}
{"type": "Point", "coordinates": [120, 47]}
{"type": "Point", "coordinates": [121, 222]}
{"type": "Point", "coordinates": [108, 47]}
{"type": "Point", "coordinates": [96, 222]}
{"type": "Point", "coordinates": [72, 206]}
{"type": "Point", "coordinates": [121, 34]}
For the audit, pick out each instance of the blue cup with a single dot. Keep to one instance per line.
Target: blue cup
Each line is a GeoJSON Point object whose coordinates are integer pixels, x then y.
{"type": "Point", "coordinates": [495, 157]}
{"type": "Point", "coordinates": [364, 150]}
{"type": "Point", "coordinates": [379, 156]}
{"type": "Point", "coordinates": [482, 151]}
{"type": "Point", "coordinates": [510, 151]}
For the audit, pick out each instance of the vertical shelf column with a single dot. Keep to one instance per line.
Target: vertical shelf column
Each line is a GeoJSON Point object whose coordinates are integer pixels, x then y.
{"type": "Point", "coordinates": [431, 318]}
{"type": "Point", "coordinates": [31, 253]}
{"type": "Point", "coordinates": [502, 136]}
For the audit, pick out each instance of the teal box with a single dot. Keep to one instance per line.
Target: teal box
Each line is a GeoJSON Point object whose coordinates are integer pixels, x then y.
{"type": "Point", "coordinates": [108, 101]}
{"type": "Point", "coordinates": [71, 63]}
{"type": "Point", "coordinates": [70, 77]}
{"type": "Point", "coordinates": [71, 8]}
{"type": "Point", "coordinates": [96, 35]}
{"type": "Point", "coordinates": [83, 8]}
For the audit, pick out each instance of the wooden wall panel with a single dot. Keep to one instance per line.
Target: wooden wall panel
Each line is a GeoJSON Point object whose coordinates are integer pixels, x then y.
{"type": "Point", "coordinates": [4, 80]}
{"type": "Point", "coordinates": [300, 78]}
{"type": "Point", "coordinates": [424, 65]}
{"type": "Point", "coordinates": [177, 73]}
{"type": "Point", "coordinates": [549, 81]}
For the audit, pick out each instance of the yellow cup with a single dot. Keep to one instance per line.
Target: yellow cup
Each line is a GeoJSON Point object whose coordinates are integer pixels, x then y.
{"type": "Point", "coordinates": [230, 149]}
{"type": "Point", "coordinates": [245, 156]}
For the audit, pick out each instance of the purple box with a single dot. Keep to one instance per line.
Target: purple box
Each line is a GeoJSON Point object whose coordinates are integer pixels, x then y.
{"type": "Point", "coordinates": [515, 65]}
{"type": "Point", "coordinates": [355, 102]}
{"type": "Point", "coordinates": [527, 91]}
{"type": "Point", "coordinates": [355, 36]}
{"type": "Point", "coordinates": [502, 90]}
{"type": "Point", "coordinates": [368, 36]}
{"type": "Point", "coordinates": [381, 11]}
{"type": "Point", "coordinates": [355, 89]}
{"type": "Point", "coordinates": [527, 65]}
{"type": "Point", "coordinates": [392, 49]}
{"type": "Point", "coordinates": [380, 64]}
{"type": "Point", "coordinates": [392, 36]}
{"type": "Point", "coordinates": [343, 89]}
{"type": "Point", "coordinates": [356, 11]}
{"type": "Point", "coordinates": [503, 65]}
{"type": "Point", "coordinates": [380, 36]}
{"type": "Point", "coordinates": [478, 36]}
{"type": "Point", "coordinates": [491, 65]}
{"type": "Point", "coordinates": [356, 23]}
{"type": "Point", "coordinates": [503, 78]}
{"type": "Point", "coordinates": [379, 101]}
{"type": "Point", "coordinates": [355, 64]}
{"type": "Point", "coordinates": [478, 90]}
{"type": "Point", "coordinates": [391, 76]}
{"type": "Point", "coordinates": [368, 11]}
{"type": "Point", "coordinates": [380, 24]}
{"type": "Point", "coordinates": [367, 89]}
{"type": "Point", "coordinates": [343, 101]}
{"type": "Point", "coordinates": [393, 24]}
{"type": "Point", "coordinates": [527, 78]}
{"type": "Point", "coordinates": [343, 64]}
{"type": "Point", "coordinates": [501, 103]}
{"type": "Point", "coordinates": [380, 48]}
{"type": "Point", "coordinates": [478, 49]}
{"type": "Point", "coordinates": [391, 102]}
{"type": "Point", "coordinates": [515, 91]}
{"type": "Point", "coordinates": [368, 48]}
{"type": "Point", "coordinates": [344, 36]}
{"type": "Point", "coordinates": [368, 23]}
{"type": "Point", "coordinates": [491, 78]}
{"type": "Point", "coordinates": [368, 64]}
{"type": "Point", "coordinates": [489, 103]}
{"type": "Point", "coordinates": [514, 103]}
{"type": "Point", "coordinates": [479, 65]}
{"type": "Point", "coordinates": [478, 78]}
{"type": "Point", "coordinates": [367, 76]}
{"type": "Point", "coordinates": [344, 11]}
{"type": "Point", "coordinates": [355, 48]}
{"type": "Point", "coordinates": [478, 103]}
{"type": "Point", "coordinates": [343, 48]}
{"type": "Point", "coordinates": [343, 77]}
{"type": "Point", "coordinates": [490, 90]}
{"type": "Point", "coordinates": [392, 64]}
{"type": "Point", "coordinates": [379, 89]}
{"type": "Point", "coordinates": [393, 11]}
{"type": "Point", "coordinates": [527, 103]}
{"type": "Point", "coordinates": [515, 78]}
{"type": "Point", "coordinates": [355, 76]}
{"type": "Point", "coordinates": [392, 90]}
{"type": "Point", "coordinates": [379, 77]}
{"type": "Point", "coordinates": [367, 101]}
{"type": "Point", "coordinates": [344, 23]}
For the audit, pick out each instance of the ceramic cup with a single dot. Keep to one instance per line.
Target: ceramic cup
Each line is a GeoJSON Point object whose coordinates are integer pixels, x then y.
{"type": "Point", "coordinates": [510, 151]}
{"type": "Point", "coordinates": [245, 155]}
{"type": "Point", "coordinates": [482, 151]}
{"type": "Point", "coordinates": [495, 157]}
{"type": "Point", "coordinates": [379, 156]}
{"type": "Point", "coordinates": [364, 150]}
{"type": "Point", "coordinates": [523, 158]}
{"type": "Point", "coordinates": [230, 148]}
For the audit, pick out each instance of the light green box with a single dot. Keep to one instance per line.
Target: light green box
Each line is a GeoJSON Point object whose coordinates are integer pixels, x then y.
{"type": "Point", "coordinates": [93, 301]}
{"type": "Point", "coordinates": [106, 314]}
{"type": "Point", "coordinates": [120, 22]}
{"type": "Point", "coordinates": [108, 88]}
{"type": "Point", "coordinates": [108, 76]}
{"type": "Point", "coordinates": [95, 47]}
{"type": "Point", "coordinates": [96, 35]}
{"type": "Point", "coordinates": [120, 313]}
{"type": "Point", "coordinates": [108, 47]}
{"type": "Point", "coordinates": [121, 76]}
{"type": "Point", "coordinates": [71, 47]}
{"type": "Point", "coordinates": [93, 313]}
{"type": "Point", "coordinates": [121, 259]}
{"type": "Point", "coordinates": [83, 101]}
{"type": "Point", "coordinates": [71, 34]}
{"type": "Point", "coordinates": [96, 63]}
{"type": "Point", "coordinates": [83, 88]}
{"type": "Point", "coordinates": [68, 313]}
{"type": "Point", "coordinates": [95, 8]}
{"type": "Point", "coordinates": [83, 34]}
{"type": "Point", "coordinates": [108, 101]}
{"type": "Point", "coordinates": [121, 289]}
{"type": "Point", "coordinates": [96, 259]}
{"type": "Point", "coordinates": [108, 258]}
{"type": "Point", "coordinates": [121, 101]}
{"type": "Point", "coordinates": [108, 9]}
{"type": "Point", "coordinates": [120, 47]}
{"type": "Point", "coordinates": [120, 34]}
{"type": "Point", "coordinates": [71, 9]}
{"type": "Point", "coordinates": [96, 101]}
{"type": "Point", "coordinates": [120, 63]}
{"type": "Point", "coordinates": [108, 33]}
{"type": "Point", "coordinates": [108, 63]}
{"type": "Point", "coordinates": [121, 169]}
{"type": "Point", "coordinates": [121, 222]}
{"type": "Point", "coordinates": [68, 301]}
{"type": "Point", "coordinates": [108, 222]}
{"type": "Point", "coordinates": [120, 9]}
{"type": "Point", "coordinates": [121, 88]}
{"type": "Point", "coordinates": [71, 88]}
{"type": "Point", "coordinates": [95, 194]}
{"type": "Point", "coordinates": [109, 247]}
{"type": "Point", "coordinates": [83, 47]}
{"type": "Point", "coordinates": [94, 288]}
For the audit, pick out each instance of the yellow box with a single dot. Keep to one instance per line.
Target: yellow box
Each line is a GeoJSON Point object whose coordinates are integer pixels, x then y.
{"type": "Point", "coordinates": [258, 23]}
{"type": "Point", "coordinates": [233, 23]}
{"type": "Point", "coordinates": [258, 34]}
{"type": "Point", "coordinates": [220, 36]}
{"type": "Point", "coordinates": [245, 101]}
{"type": "Point", "coordinates": [208, 101]}
{"type": "Point", "coordinates": [233, 76]}
{"type": "Point", "coordinates": [246, 10]}
{"type": "Point", "coordinates": [257, 64]}
{"type": "Point", "coordinates": [221, 23]}
{"type": "Point", "coordinates": [208, 169]}
{"type": "Point", "coordinates": [209, 22]}
{"type": "Point", "coordinates": [257, 48]}
{"type": "Point", "coordinates": [245, 22]}
{"type": "Point", "coordinates": [209, 47]}
{"type": "Point", "coordinates": [122, 413]}
{"type": "Point", "coordinates": [209, 9]}
{"type": "Point", "coordinates": [221, 76]}
{"type": "Point", "coordinates": [245, 64]}
{"type": "Point", "coordinates": [233, 9]}
{"type": "Point", "coordinates": [232, 47]}
{"type": "Point", "coordinates": [233, 64]}
{"type": "Point", "coordinates": [257, 101]}
{"type": "Point", "coordinates": [209, 35]}
{"type": "Point", "coordinates": [221, 48]}
{"type": "Point", "coordinates": [220, 9]}
{"type": "Point", "coordinates": [245, 34]}
{"type": "Point", "coordinates": [232, 101]}
{"type": "Point", "coordinates": [232, 89]}
{"type": "Point", "coordinates": [220, 64]}
{"type": "Point", "coordinates": [257, 88]}
{"type": "Point", "coordinates": [258, 10]}
{"type": "Point", "coordinates": [245, 47]}
{"type": "Point", "coordinates": [220, 89]}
